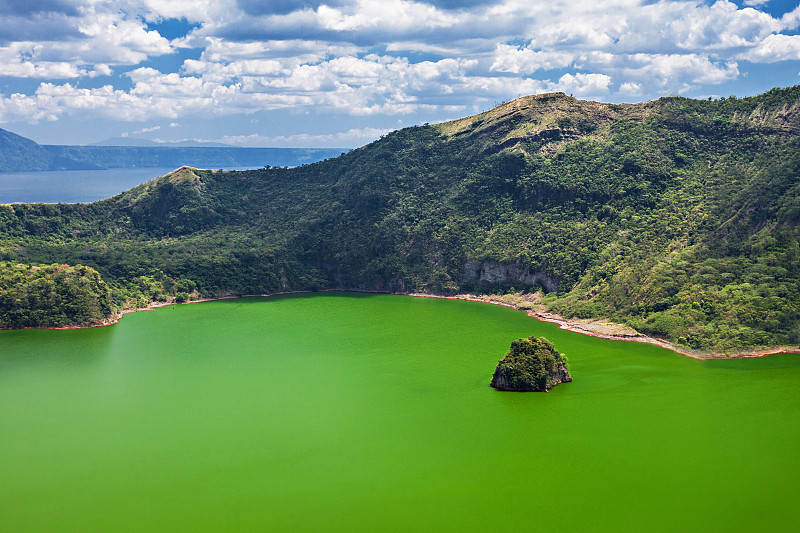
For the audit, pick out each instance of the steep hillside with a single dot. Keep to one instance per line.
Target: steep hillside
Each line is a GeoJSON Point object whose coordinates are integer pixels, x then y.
{"type": "Point", "coordinates": [678, 217]}
{"type": "Point", "coordinates": [20, 154]}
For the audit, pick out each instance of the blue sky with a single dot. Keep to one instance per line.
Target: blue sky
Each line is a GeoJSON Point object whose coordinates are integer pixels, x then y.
{"type": "Point", "coordinates": [343, 72]}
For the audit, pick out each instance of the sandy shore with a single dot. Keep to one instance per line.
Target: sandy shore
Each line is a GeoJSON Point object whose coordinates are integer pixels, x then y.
{"type": "Point", "coordinates": [602, 329]}
{"type": "Point", "coordinates": [533, 307]}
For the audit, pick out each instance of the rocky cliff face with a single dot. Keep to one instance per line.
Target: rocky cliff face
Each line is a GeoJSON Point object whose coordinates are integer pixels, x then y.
{"type": "Point", "coordinates": [504, 381]}
{"type": "Point", "coordinates": [495, 273]}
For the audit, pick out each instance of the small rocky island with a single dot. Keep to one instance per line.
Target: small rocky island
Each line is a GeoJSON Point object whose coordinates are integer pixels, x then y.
{"type": "Point", "coordinates": [532, 364]}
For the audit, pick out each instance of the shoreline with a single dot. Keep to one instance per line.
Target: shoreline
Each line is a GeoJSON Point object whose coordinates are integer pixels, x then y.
{"type": "Point", "coordinates": [616, 332]}
{"type": "Point", "coordinates": [592, 328]}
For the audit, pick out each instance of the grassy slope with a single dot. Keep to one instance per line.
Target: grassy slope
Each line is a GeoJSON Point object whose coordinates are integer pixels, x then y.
{"type": "Point", "coordinates": [678, 217]}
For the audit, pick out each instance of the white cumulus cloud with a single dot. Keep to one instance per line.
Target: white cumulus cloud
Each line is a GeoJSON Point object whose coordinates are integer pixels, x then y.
{"type": "Point", "coordinates": [147, 130]}
{"type": "Point", "coordinates": [371, 58]}
{"type": "Point", "coordinates": [516, 60]}
{"type": "Point", "coordinates": [584, 84]}
{"type": "Point", "coordinates": [775, 48]}
{"type": "Point", "coordinates": [351, 137]}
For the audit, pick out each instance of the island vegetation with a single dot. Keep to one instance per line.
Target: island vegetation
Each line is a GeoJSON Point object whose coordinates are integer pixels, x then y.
{"type": "Point", "coordinates": [532, 364]}
{"type": "Point", "coordinates": [677, 217]}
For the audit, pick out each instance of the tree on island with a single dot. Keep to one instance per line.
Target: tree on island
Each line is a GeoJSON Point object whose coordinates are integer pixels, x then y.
{"type": "Point", "coordinates": [532, 364]}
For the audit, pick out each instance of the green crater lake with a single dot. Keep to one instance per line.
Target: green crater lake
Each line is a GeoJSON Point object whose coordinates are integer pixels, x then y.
{"type": "Point", "coordinates": [358, 412]}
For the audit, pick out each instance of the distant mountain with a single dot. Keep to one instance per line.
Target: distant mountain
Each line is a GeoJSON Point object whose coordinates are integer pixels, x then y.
{"type": "Point", "coordinates": [125, 141]}
{"type": "Point", "coordinates": [200, 144]}
{"type": "Point", "coordinates": [20, 154]}
{"type": "Point", "coordinates": [135, 141]}
{"type": "Point", "coordinates": [195, 156]}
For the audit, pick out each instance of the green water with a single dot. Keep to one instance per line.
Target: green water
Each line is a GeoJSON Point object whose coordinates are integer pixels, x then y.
{"type": "Point", "coordinates": [373, 413]}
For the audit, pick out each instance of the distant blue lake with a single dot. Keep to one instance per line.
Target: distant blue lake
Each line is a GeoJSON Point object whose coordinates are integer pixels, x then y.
{"type": "Point", "coordinates": [73, 186]}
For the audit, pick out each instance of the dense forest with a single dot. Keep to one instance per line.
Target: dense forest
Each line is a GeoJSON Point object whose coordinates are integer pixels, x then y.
{"type": "Point", "coordinates": [52, 296]}
{"type": "Point", "coordinates": [678, 217]}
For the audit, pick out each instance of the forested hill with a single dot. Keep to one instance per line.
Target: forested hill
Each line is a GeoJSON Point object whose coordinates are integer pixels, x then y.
{"type": "Point", "coordinates": [678, 217]}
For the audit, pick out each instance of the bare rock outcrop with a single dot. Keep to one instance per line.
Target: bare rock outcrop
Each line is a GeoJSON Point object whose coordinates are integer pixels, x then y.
{"type": "Point", "coordinates": [494, 272]}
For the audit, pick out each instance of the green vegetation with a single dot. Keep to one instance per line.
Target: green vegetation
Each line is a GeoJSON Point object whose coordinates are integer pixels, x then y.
{"type": "Point", "coordinates": [677, 217]}
{"type": "Point", "coordinates": [52, 296]}
{"type": "Point", "coordinates": [532, 364]}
